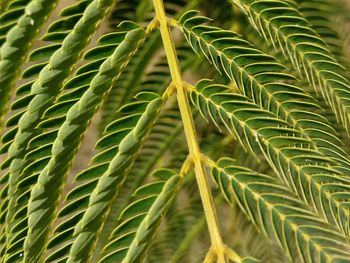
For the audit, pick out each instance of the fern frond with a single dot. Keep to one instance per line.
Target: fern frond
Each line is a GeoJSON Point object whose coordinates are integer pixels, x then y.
{"type": "Point", "coordinates": [122, 131]}
{"type": "Point", "coordinates": [280, 215]}
{"type": "Point", "coordinates": [127, 198]}
{"type": "Point", "coordinates": [261, 78]}
{"type": "Point", "coordinates": [108, 185]}
{"type": "Point", "coordinates": [78, 198]}
{"type": "Point", "coordinates": [49, 84]}
{"type": "Point", "coordinates": [39, 58]}
{"type": "Point", "coordinates": [155, 148]}
{"type": "Point", "coordinates": [130, 80]}
{"type": "Point", "coordinates": [128, 84]}
{"type": "Point", "coordinates": [319, 13]}
{"type": "Point", "coordinates": [128, 241]}
{"type": "Point", "coordinates": [282, 25]}
{"type": "Point", "coordinates": [155, 80]}
{"type": "Point", "coordinates": [13, 53]}
{"type": "Point", "coordinates": [39, 148]}
{"type": "Point", "coordinates": [303, 169]}
{"type": "Point", "coordinates": [10, 10]}
{"type": "Point", "coordinates": [56, 34]}
{"type": "Point", "coordinates": [67, 141]}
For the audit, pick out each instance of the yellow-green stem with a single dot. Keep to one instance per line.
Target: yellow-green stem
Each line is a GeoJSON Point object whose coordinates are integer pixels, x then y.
{"type": "Point", "coordinates": [209, 209]}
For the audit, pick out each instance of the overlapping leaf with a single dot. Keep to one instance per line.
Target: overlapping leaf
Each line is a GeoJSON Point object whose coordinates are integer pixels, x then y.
{"type": "Point", "coordinates": [162, 135]}
{"type": "Point", "coordinates": [303, 169]}
{"type": "Point", "coordinates": [281, 24]}
{"type": "Point", "coordinates": [261, 78]}
{"type": "Point", "coordinates": [320, 15]}
{"type": "Point", "coordinates": [39, 56]}
{"type": "Point", "coordinates": [76, 201]}
{"type": "Point", "coordinates": [54, 37]}
{"type": "Point", "coordinates": [280, 214]}
{"type": "Point", "coordinates": [112, 179]}
{"type": "Point", "coordinates": [10, 13]}
{"type": "Point", "coordinates": [47, 87]}
{"type": "Point", "coordinates": [307, 211]}
{"type": "Point", "coordinates": [139, 221]}
{"type": "Point", "coordinates": [68, 139]}
{"type": "Point", "coordinates": [40, 148]}
{"type": "Point", "coordinates": [13, 53]}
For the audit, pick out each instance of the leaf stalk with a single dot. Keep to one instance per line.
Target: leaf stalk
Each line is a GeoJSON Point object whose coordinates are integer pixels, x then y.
{"type": "Point", "coordinates": [218, 246]}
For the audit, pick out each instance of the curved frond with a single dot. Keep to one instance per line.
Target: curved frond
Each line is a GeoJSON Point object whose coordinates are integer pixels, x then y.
{"type": "Point", "coordinates": [319, 13]}
{"type": "Point", "coordinates": [27, 27]}
{"type": "Point", "coordinates": [77, 199]}
{"type": "Point", "coordinates": [50, 81]}
{"type": "Point", "coordinates": [280, 215]}
{"type": "Point", "coordinates": [139, 221]}
{"type": "Point", "coordinates": [261, 78]}
{"type": "Point", "coordinates": [114, 164]}
{"type": "Point", "coordinates": [164, 131]}
{"type": "Point", "coordinates": [282, 25]}
{"type": "Point", "coordinates": [40, 57]}
{"type": "Point", "coordinates": [67, 141]}
{"type": "Point", "coordinates": [128, 84]}
{"type": "Point", "coordinates": [7, 18]}
{"type": "Point", "coordinates": [107, 144]}
{"type": "Point", "coordinates": [40, 147]}
{"type": "Point", "coordinates": [303, 169]}
{"type": "Point", "coordinates": [156, 146]}
{"type": "Point", "coordinates": [64, 54]}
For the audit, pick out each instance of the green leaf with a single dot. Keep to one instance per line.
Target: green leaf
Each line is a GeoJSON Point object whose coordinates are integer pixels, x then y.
{"type": "Point", "coordinates": [40, 217]}
{"type": "Point", "coordinates": [280, 215]}
{"type": "Point", "coordinates": [110, 182]}
{"type": "Point", "coordinates": [46, 88]}
{"type": "Point", "coordinates": [128, 241]}
{"type": "Point", "coordinates": [78, 198]}
{"type": "Point", "coordinates": [261, 78]}
{"type": "Point", "coordinates": [13, 52]}
{"type": "Point", "coordinates": [303, 169]}
{"type": "Point", "coordinates": [282, 25]}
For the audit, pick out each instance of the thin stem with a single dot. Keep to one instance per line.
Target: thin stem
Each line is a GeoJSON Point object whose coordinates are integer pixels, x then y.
{"type": "Point", "coordinates": [232, 255]}
{"type": "Point", "coordinates": [209, 209]}
{"type": "Point", "coordinates": [210, 256]}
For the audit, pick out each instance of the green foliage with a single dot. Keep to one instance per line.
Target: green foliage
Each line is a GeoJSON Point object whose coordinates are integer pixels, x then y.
{"type": "Point", "coordinates": [261, 78]}
{"type": "Point", "coordinates": [280, 214]}
{"type": "Point", "coordinates": [13, 51]}
{"type": "Point", "coordinates": [139, 220]}
{"type": "Point", "coordinates": [108, 142]}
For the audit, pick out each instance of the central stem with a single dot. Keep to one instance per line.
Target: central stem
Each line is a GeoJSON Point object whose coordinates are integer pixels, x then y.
{"type": "Point", "coordinates": [190, 132]}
